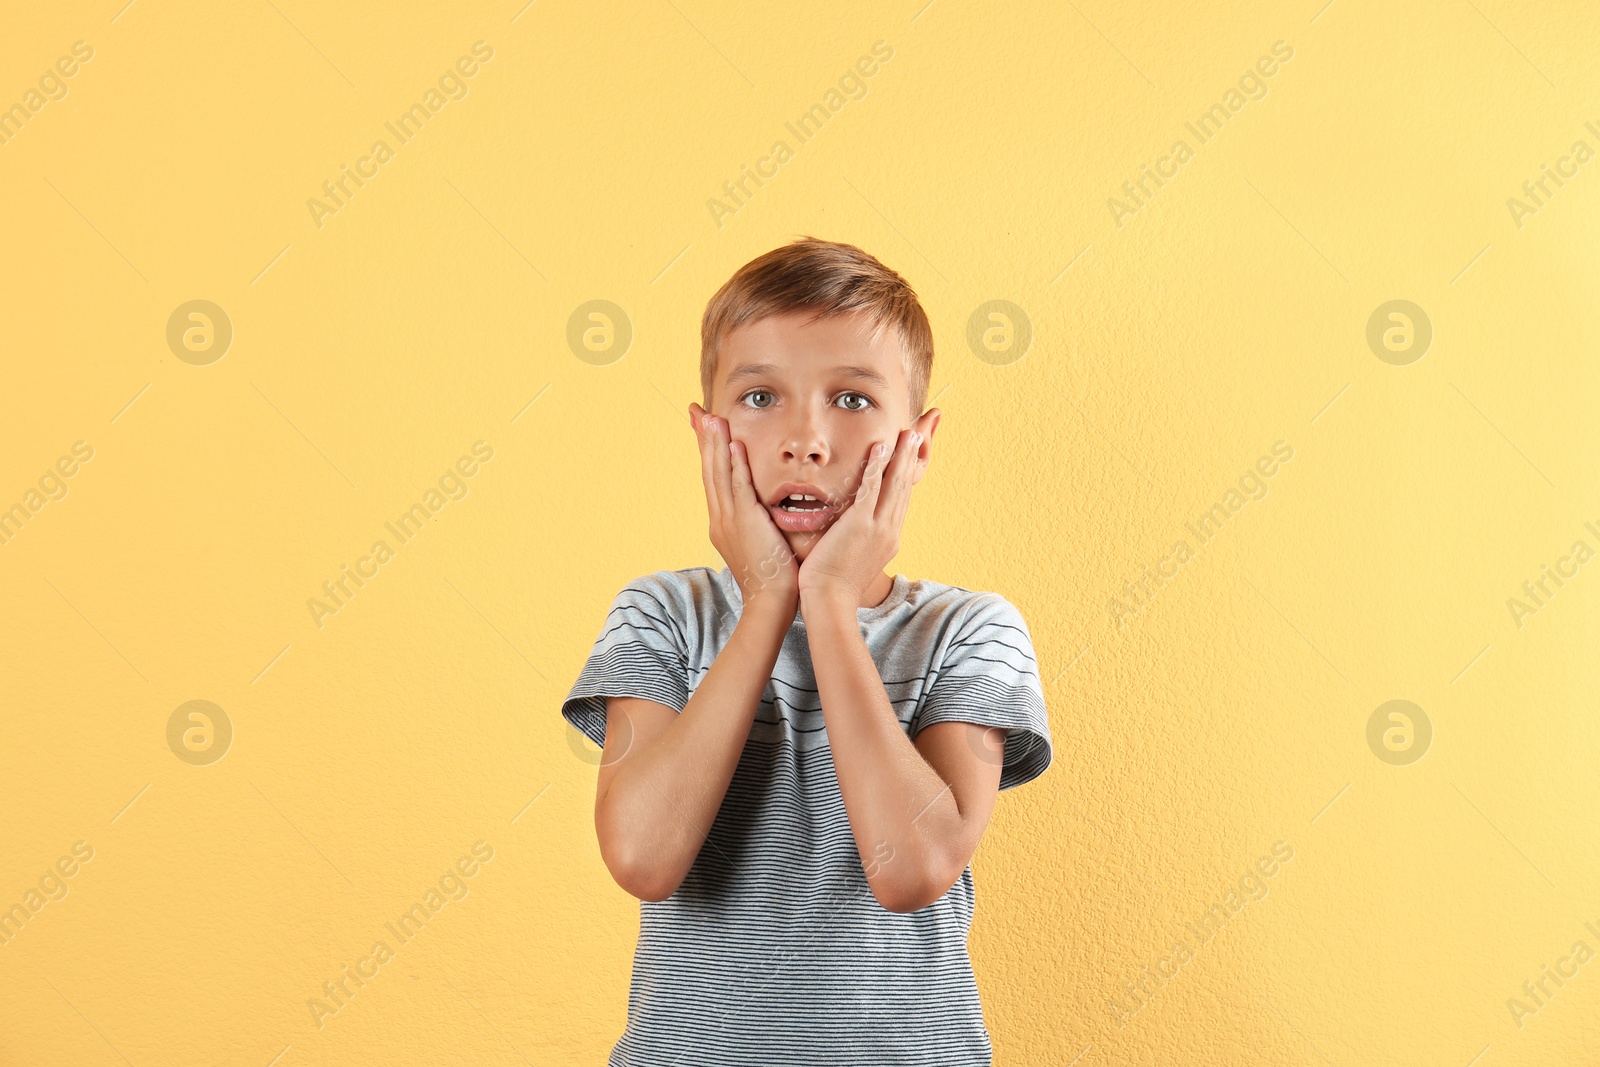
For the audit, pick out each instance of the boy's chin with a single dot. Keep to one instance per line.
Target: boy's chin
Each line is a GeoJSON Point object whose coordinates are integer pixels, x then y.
{"type": "Point", "coordinates": [801, 544]}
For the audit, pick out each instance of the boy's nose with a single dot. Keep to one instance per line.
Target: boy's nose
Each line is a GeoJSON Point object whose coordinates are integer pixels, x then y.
{"type": "Point", "coordinates": [805, 443]}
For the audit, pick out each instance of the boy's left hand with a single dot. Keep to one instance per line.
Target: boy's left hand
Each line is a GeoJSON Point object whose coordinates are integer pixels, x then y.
{"type": "Point", "coordinates": [855, 549]}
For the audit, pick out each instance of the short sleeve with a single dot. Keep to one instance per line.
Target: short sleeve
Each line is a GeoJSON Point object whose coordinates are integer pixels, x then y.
{"type": "Point", "coordinates": [641, 652]}
{"type": "Point", "coordinates": [988, 675]}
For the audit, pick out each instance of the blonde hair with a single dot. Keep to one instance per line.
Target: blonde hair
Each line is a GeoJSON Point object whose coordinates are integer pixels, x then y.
{"type": "Point", "coordinates": [827, 278]}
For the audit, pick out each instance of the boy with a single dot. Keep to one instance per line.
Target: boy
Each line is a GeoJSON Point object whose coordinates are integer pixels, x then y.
{"type": "Point", "coordinates": [801, 753]}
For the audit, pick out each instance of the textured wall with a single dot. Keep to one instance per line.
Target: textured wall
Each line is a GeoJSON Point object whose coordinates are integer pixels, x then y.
{"type": "Point", "coordinates": [1209, 702]}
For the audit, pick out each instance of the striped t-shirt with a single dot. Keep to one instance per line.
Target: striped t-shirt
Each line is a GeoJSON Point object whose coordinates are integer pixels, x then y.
{"type": "Point", "coordinates": [773, 950]}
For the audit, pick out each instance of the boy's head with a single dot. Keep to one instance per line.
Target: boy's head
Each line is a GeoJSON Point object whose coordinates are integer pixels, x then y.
{"type": "Point", "coordinates": [813, 352]}
{"type": "Point", "coordinates": [825, 278]}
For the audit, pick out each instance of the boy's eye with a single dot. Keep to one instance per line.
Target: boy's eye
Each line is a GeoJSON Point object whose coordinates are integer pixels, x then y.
{"type": "Point", "coordinates": [852, 401]}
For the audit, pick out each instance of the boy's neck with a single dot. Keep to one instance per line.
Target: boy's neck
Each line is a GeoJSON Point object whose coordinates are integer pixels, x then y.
{"type": "Point", "coordinates": [877, 592]}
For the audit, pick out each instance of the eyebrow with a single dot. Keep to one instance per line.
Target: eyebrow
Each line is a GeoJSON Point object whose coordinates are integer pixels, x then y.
{"type": "Point", "coordinates": [760, 370]}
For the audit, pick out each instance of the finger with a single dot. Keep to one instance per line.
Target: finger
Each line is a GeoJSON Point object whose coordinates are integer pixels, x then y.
{"type": "Point", "coordinates": [900, 488]}
{"type": "Point", "coordinates": [872, 479]}
{"type": "Point", "coordinates": [722, 461]}
{"type": "Point", "coordinates": [892, 467]}
{"type": "Point", "coordinates": [697, 420]}
{"type": "Point", "coordinates": [744, 490]}
{"type": "Point", "coordinates": [707, 469]}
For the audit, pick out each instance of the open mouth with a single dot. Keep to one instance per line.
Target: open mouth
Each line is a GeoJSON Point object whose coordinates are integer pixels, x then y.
{"type": "Point", "coordinates": [802, 513]}
{"type": "Point", "coordinates": [801, 502]}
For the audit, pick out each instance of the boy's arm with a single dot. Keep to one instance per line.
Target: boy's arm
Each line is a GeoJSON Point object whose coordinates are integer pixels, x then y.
{"type": "Point", "coordinates": [663, 774]}
{"type": "Point", "coordinates": [917, 810]}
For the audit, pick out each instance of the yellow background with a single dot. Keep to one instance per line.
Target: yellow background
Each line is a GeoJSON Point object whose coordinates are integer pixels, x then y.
{"type": "Point", "coordinates": [430, 312]}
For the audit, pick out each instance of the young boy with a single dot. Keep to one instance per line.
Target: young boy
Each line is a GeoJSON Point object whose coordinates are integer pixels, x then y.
{"type": "Point", "coordinates": [801, 753]}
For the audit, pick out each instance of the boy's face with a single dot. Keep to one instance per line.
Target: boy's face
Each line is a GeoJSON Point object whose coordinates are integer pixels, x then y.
{"type": "Point", "coordinates": [809, 400]}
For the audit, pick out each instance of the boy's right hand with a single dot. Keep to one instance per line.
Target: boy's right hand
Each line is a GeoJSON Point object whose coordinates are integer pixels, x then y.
{"type": "Point", "coordinates": [741, 528]}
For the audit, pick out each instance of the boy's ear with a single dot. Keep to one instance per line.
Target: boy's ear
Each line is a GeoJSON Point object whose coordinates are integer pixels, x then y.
{"type": "Point", "coordinates": [925, 423]}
